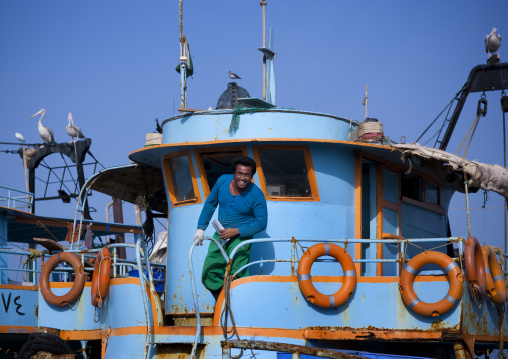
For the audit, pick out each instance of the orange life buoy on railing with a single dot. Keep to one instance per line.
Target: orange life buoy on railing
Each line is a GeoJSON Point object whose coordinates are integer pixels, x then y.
{"type": "Point", "coordinates": [475, 267]}
{"type": "Point", "coordinates": [79, 279]}
{"type": "Point", "coordinates": [409, 273]}
{"type": "Point", "coordinates": [100, 279]}
{"type": "Point", "coordinates": [305, 282]}
{"type": "Point", "coordinates": [496, 287]}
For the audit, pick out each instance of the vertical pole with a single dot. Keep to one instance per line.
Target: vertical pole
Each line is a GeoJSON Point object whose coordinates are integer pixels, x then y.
{"type": "Point", "coordinates": [263, 4]}
{"type": "Point", "coordinates": [31, 186]}
{"type": "Point", "coordinates": [118, 218]}
{"type": "Point", "coordinates": [27, 186]}
{"type": "Point", "coordinates": [505, 201]}
{"type": "Point", "coordinates": [183, 62]}
{"type": "Point", "coordinates": [366, 101]}
{"type": "Point", "coordinates": [81, 181]}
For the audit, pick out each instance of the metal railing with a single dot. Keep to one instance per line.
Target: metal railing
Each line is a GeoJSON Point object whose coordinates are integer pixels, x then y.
{"type": "Point", "coordinates": [403, 243]}
{"type": "Point", "coordinates": [16, 199]}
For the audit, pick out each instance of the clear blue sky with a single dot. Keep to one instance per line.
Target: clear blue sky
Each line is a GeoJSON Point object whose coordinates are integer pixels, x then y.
{"type": "Point", "coordinates": [111, 63]}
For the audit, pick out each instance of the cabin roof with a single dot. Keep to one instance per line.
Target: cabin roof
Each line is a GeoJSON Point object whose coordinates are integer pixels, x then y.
{"type": "Point", "coordinates": [24, 226]}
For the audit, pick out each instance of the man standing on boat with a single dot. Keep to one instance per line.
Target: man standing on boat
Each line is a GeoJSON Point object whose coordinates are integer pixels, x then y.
{"type": "Point", "coordinates": [242, 213]}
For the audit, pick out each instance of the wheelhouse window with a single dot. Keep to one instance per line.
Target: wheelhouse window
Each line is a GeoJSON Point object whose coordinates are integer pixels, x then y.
{"type": "Point", "coordinates": [214, 163]}
{"type": "Point", "coordinates": [286, 173]}
{"type": "Point", "coordinates": [418, 190]}
{"type": "Point", "coordinates": [431, 193]}
{"type": "Point", "coordinates": [181, 179]}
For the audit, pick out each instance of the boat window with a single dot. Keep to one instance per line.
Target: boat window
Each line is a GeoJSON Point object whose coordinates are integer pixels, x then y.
{"type": "Point", "coordinates": [181, 179]}
{"type": "Point", "coordinates": [432, 193]}
{"type": "Point", "coordinates": [286, 173]}
{"type": "Point", "coordinates": [411, 186]}
{"type": "Point", "coordinates": [417, 190]}
{"type": "Point", "coordinates": [215, 163]}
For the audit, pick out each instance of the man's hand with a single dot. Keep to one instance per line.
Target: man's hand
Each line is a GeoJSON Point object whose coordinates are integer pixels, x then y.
{"type": "Point", "coordinates": [198, 237]}
{"type": "Point", "coordinates": [228, 233]}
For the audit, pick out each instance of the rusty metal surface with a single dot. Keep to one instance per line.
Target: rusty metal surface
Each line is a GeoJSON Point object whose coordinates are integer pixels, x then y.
{"type": "Point", "coordinates": [291, 348]}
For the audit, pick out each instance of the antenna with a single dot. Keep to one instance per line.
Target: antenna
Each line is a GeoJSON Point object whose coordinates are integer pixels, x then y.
{"type": "Point", "coordinates": [183, 62]}
{"type": "Point", "coordinates": [366, 99]}
{"type": "Point", "coordinates": [263, 5]}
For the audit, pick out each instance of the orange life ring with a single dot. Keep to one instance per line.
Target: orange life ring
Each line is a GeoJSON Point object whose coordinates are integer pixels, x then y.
{"type": "Point", "coordinates": [305, 282]}
{"type": "Point", "coordinates": [79, 279]}
{"type": "Point", "coordinates": [496, 287]}
{"type": "Point", "coordinates": [409, 273]}
{"type": "Point", "coordinates": [100, 279]}
{"type": "Point", "coordinates": [475, 267]}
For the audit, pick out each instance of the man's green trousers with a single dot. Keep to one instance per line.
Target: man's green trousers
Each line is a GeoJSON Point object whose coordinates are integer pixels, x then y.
{"type": "Point", "coordinates": [214, 267]}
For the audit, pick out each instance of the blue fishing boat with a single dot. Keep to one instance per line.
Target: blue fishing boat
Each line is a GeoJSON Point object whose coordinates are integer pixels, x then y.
{"type": "Point", "coordinates": [357, 257]}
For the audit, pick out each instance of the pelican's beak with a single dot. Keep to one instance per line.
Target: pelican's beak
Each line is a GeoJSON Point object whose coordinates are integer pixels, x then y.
{"type": "Point", "coordinates": [41, 111]}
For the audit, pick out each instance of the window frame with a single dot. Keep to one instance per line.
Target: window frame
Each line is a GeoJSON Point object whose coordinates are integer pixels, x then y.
{"type": "Point", "coordinates": [308, 165]}
{"type": "Point", "coordinates": [169, 179]}
{"type": "Point", "coordinates": [198, 152]}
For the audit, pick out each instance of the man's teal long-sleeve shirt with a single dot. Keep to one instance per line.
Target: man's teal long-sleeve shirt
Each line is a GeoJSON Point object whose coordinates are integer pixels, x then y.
{"type": "Point", "coordinates": [247, 211]}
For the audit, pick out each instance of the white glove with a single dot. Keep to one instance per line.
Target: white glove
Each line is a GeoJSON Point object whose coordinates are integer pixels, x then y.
{"type": "Point", "coordinates": [198, 237]}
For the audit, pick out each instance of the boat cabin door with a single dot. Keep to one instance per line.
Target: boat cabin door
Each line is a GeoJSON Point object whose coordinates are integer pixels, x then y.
{"type": "Point", "coordinates": [380, 216]}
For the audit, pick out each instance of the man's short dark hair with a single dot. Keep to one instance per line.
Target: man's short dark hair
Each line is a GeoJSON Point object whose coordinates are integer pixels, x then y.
{"type": "Point", "coordinates": [244, 161]}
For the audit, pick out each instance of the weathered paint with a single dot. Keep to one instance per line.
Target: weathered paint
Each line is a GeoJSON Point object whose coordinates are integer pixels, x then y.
{"type": "Point", "coordinates": [18, 307]}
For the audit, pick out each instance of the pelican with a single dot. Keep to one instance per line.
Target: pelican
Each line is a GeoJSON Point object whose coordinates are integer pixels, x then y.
{"type": "Point", "coordinates": [44, 131]}
{"type": "Point", "coordinates": [19, 136]}
{"type": "Point", "coordinates": [72, 129]}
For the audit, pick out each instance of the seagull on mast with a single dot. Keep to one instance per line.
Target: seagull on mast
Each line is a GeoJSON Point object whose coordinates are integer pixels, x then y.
{"type": "Point", "coordinates": [233, 76]}
{"type": "Point", "coordinates": [492, 43]}
{"type": "Point", "coordinates": [72, 129]}
{"type": "Point", "coordinates": [44, 131]}
{"type": "Point", "coordinates": [19, 136]}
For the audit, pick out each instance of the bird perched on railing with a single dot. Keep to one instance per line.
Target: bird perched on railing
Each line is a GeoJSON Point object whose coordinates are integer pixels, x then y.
{"type": "Point", "coordinates": [72, 129]}
{"type": "Point", "coordinates": [44, 131]}
{"type": "Point", "coordinates": [19, 136]}
{"type": "Point", "coordinates": [492, 43]}
{"type": "Point", "coordinates": [233, 76]}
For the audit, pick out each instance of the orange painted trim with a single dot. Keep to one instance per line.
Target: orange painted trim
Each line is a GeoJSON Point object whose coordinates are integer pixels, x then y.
{"type": "Point", "coordinates": [19, 287]}
{"type": "Point", "coordinates": [103, 347]}
{"type": "Point", "coordinates": [358, 211]}
{"type": "Point", "coordinates": [198, 152]}
{"type": "Point", "coordinates": [175, 330]}
{"type": "Point", "coordinates": [261, 140]}
{"type": "Point", "coordinates": [430, 206]}
{"type": "Point", "coordinates": [113, 281]}
{"type": "Point", "coordinates": [391, 236]}
{"type": "Point", "coordinates": [82, 334]}
{"type": "Point", "coordinates": [308, 165]}
{"type": "Point", "coordinates": [18, 329]}
{"type": "Point", "coordinates": [169, 179]}
{"type": "Point", "coordinates": [390, 205]}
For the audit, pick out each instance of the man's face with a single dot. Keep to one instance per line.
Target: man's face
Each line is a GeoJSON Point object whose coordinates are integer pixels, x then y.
{"type": "Point", "coordinates": [243, 176]}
